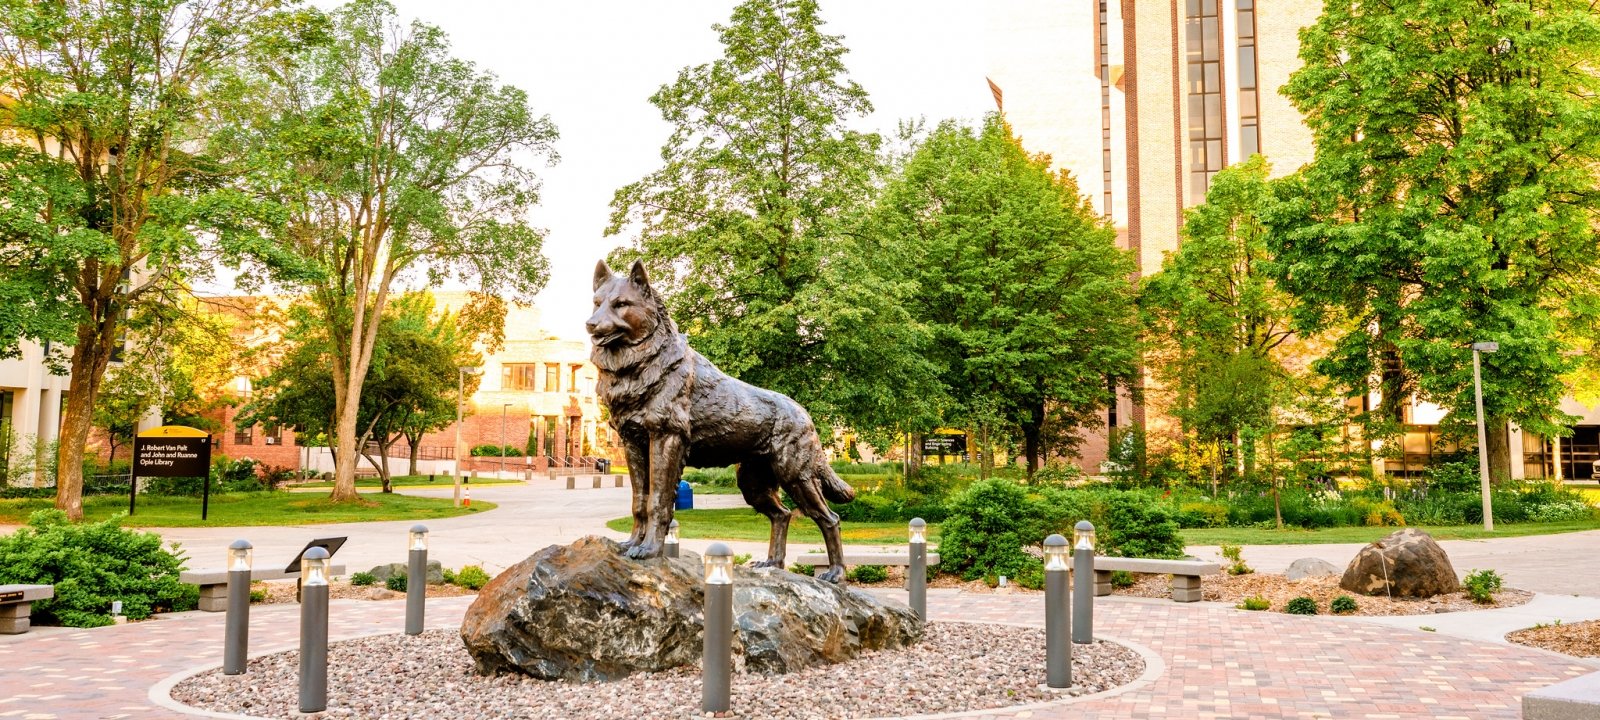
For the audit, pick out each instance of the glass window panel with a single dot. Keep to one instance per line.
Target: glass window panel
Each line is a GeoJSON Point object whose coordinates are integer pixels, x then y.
{"type": "Point", "coordinates": [1197, 156]}
{"type": "Point", "coordinates": [1243, 4]}
{"type": "Point", "coordinates": [1249, 140]}
{"type": "Point", "coordinates": [1192, 28]}
{"type": "Point", "coordinates": [1247, 67]}
{"type": "Point", "coordinates": [1208, 28]}
{"type": "Point", "coordinates": [1196, 77]}
{"type": "Point", "coordinates": [1208, 7]}
{"type": "Point", "coordinates": [1197, 188]}
{"type": "Point", "coordinates": [1192, 7]}
{"type": "Point", "coordinates": [1247, 24]}
{"type": "Point", "coordinates": [1213, 155]}
{"type": "Point", "coordinates": [1213, 116]}
{"type": "Point", "coordinates": [1247, 103]}
{"type": "Point", "coordinates": [1197, 116]}
{"type": "Point", "coordinates": [1213, 84]}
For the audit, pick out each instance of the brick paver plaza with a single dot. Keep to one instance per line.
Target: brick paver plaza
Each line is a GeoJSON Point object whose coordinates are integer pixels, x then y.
{"type": "Point", "coordinates": [1218, 662]}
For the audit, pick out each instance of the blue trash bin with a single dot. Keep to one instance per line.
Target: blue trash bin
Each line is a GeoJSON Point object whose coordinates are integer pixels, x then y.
{"type": "Point", "coordinates": [685, 496]}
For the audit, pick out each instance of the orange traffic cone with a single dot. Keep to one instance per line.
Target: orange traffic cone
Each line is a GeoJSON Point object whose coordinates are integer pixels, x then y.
{"type": "Point", "coordinates": [466, 496]}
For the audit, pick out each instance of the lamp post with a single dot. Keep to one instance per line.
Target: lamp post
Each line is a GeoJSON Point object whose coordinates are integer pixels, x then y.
{"type": "Point", "coordinates": [236, 639]}
{"type": "Point", "coordinates": [1483, 447]}
{"type": "Point", "coordinates": [417, 580]}
{"type": "Point", "coordinates": [314, 630]}
{"type": "Point", "coordinates": [1057, 614]}
{"type": "Point", "coordinates": [671, 543]}
{"type": "Point", "coordinates": [1082, 580]}
{"type": "Point", "coordinates": [717, 661]}
{"type": "Point", "coordinates": [461, 389]}
{"type": "Point", "coordinates": [504, 407]}
{"type": "Point", "coordinates": [917, 572]}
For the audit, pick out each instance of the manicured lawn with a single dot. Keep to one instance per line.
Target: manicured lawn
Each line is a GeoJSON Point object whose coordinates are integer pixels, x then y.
{"type": "Point", "coordinates": [411, 481]}
{"type": "Point", "coordinates": [1254, 536]}
{"type": "Point", "coordinates": [249, 509]}
{"type": "Point", "coordinates": [745, 524]}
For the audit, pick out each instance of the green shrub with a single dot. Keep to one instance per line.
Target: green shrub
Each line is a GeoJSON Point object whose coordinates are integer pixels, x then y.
{"type": "Point", "coordinates": [721, 477]}
{"type": "Point", "coordinates": [397, 582]}
{"type": "Point", "coordinates": [803, 569]}
{"type": "Point", "coordinates": [1122, 579]}
{"type": "Point", "coordinates": [90, 565]}
{"type": "Point", "coordinates": [841, 467]}
{"type": "Point", "coordinates": [258, 596]}
{"type": "Point", "coordinates": [363, 579]}
{"type": "Point", "coordinates": [1202, 515]}
{"type": "Point", "coordinates": [1057, 475]}
{"type": "Point", "coordinates": [1136, 526]}
{"type": "Point", "coordinates": [472, 577]}
{"type": "Point", "coordinates": [1343, 605]}
{"type": "Point", "coordinates": [867, 574]}
{"type": "Point", "coordinates": [448, 575]}
{"type": "Point", "coordinates": [1236, 564]}
{"type": "Point", "coordinates": [1482, 585]}
{"type": "Point", "coordinates": [741, 558]}
{"type": "Point", "coordinates": [1255, 603]}
{"type": "Point", "coordinates": [491, 450]}
{"type": "Point", "coordinates": [1030, 576]}
{"type": "Point", "coordinates": [990, 523]}
{"type": "Point", "coordinates": [1301, 606]}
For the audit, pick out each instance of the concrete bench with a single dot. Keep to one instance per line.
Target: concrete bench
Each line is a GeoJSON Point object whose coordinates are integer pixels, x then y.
{"type": "Point", "coordinates": [596, 481]}
{"type": "Point", "coordinates": [1575, 699]}
{"type": "Point", "coordinates": [819, 561]}
{"type": "Point", "coordinates": [1185, 574]}
{"type": "Point", "coordinates": [16, 606]}
{"type": "Point", "coordinates": [213, 583]}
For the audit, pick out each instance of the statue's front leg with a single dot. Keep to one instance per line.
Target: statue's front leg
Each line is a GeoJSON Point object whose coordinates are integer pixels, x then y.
{"type": "Point", "coordinates": [639, 486]}
{"type": "Point", "coordinates": [665, 469]}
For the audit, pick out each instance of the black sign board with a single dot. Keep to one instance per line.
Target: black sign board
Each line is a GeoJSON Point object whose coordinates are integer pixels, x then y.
{"type": "Point", "coordinates": [950, 444]}
{"type": "Point", "coordinates": [332, 545]}
{"type": "Point", "coordinates": [171, 456]}
{"type": "Point", "coordinates": [12, 596]}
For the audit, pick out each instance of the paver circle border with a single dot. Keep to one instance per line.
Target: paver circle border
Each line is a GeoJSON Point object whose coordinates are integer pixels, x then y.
{"type": "Point", "coordinates": [1154, 667]}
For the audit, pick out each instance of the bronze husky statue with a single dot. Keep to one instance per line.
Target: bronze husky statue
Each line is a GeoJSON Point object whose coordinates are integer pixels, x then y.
{"type": "Point", "coordinates": [671, 406]}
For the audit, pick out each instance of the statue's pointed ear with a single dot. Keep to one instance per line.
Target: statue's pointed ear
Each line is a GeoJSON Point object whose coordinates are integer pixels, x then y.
{"type": "Point", "coordinates": [602, 273]}
{"type": "Point", "coordinates": [636, 274]}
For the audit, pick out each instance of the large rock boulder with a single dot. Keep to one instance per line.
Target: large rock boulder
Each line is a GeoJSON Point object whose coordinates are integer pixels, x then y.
{"type": "Point", "coordinates": [583, 612]}
{"type": "Point", "coordinates": [1310, 567]}
{"type": "Point", "coordinates": [1407, 563]}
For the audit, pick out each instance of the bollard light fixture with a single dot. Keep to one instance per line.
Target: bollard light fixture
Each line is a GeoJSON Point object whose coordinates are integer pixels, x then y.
{"type": "Point", "coordinates": [919, 531]}
{"type": "Point", "coordinates": [314, 567]}
{"type": "Point", "coordinates": [239, 555]}
{"type": "Point", "coordinates": [1083, 536]}
{"type": "Point", "coordinates": [1055, 553]}
{"type": "Point", "coordinates": [419, 537]}
{"type": "Point", "coordinates": [672, 533]}
{"type": "Point", "coordinates": [719, 565]}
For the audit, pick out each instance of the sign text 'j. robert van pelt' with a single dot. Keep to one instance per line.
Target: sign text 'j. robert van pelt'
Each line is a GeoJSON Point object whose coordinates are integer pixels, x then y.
{"type": "Point", "coordinates": [172, 456]}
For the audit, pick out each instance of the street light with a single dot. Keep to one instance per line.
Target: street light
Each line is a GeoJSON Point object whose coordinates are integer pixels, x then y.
{"type": "Point", "coordinates": [417, 580]}
{"type": "Point", "coordinates": [1082, 579]}
{"type": "Point", "coordinates": [1057, 614]}
{"type": "Point", "coordinates": [314, 630]}
{"type": "Point", "coordinates": [717, 659]}
{"type": "Point", "coordinates": [236, 639]}
{"type": "Point", "coordinates": [671, 543]}
{"type": "Point", "coordinates": [1483, 447]}
{"type": "Point", "coordinates": [461, 388]}
{"type": "Point", "coordinates": [917, 573]}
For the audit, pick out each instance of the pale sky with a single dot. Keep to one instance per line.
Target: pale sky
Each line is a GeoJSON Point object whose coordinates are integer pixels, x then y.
{"type": "Point", "coordinates": [592, 67]}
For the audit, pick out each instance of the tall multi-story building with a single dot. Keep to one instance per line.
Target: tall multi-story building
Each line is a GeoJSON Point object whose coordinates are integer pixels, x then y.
{"type": "Point", "coordinates": [1180, 89]}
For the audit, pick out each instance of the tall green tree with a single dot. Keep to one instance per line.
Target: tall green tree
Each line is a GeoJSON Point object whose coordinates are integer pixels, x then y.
{"type": "Point", "coordinates": [394, 159]}
{"type": "Point", "coordinates": [1024, 289]}
{"type": "Point", "coordinates": [1452, 199]}
{"type": "Point", "coordinates": [110, 195]}
{"type": "Point", "coordinates": [1217, 324]}
{"type": "Point", "coordinates": [747, 228]}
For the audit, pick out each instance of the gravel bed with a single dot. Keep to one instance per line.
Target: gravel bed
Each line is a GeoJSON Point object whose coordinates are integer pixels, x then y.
{"type": "Point", "coordinates": [1579, 639]}
{"type": "Point", "coordinates": [1279, 590]}
{"type": "Point", "coordinates": [957, 667]}
{"type": "Point", "coordinates": [282, 591]}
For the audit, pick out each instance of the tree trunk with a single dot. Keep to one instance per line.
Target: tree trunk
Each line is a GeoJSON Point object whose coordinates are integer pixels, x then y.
{"type": "Point", "coordinates": [416, 453]}
{"type": "Point", "coordinates": [986, 460]}
{"type": "Point", "coordinates": [1272, 475]}
{"type": "Point", "coordinates": [914, 453]}
{"type": "Point", "coordinates": [383, 470]}
{"type": "Point", "coordinates": [1498, 444]}
{"type": "Point", "coordinates": [1030, 437]}
{"type": "Point", "coordinates": [344, 464]}
{"type": "Point", "coordinates": [89, 360]}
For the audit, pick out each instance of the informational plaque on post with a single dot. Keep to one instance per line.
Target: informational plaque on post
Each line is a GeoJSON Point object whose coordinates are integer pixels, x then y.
{"type": "Point", "coordinates": [172, 451]}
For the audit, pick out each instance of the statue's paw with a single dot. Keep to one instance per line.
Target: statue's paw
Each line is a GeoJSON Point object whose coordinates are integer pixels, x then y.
{"type": "Point", "coordinates": [644, 550]}
{"type": "Point", "coordinates": [834, 574]}
{"type": "Point", "coordinates": [769, 562]}
{"type": "Point", "coordinates": [630, 542]}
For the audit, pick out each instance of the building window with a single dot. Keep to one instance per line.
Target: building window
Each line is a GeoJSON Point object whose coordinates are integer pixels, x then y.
{"type": "Point", "coordinates": [1105, 109]}
{"type": "Point", "coordinates": [573, 386]}
{"type": "Point", "coordinates": [1204, 60]}
{"type": "Point", "coordinates": [552, 377]}
{"type": "Point", "coordinates": [272, 434]}
{"type": "Point", "coordinates": [1249, 102]}
{"type": "Point", "coordinates": [244, 435]}
{"type": "Point", "coordinates": [518, 376]}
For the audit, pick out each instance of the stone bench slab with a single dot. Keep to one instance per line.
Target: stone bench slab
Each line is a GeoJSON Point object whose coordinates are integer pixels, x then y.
{"type": "Point", "coordinates": [16, 606]}
{"type": "Point", "coordinates": [1575, 699]}
{"type": "Point", "coordinates": [11, 594]}
{"type": "Point", "coordinates": [213, 582]}
{"type": "Point", "coordinates": [1193, 568]}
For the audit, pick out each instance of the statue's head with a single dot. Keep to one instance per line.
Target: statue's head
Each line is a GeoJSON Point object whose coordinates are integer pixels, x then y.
{"type": "Point", "coordinates": [626, 310]}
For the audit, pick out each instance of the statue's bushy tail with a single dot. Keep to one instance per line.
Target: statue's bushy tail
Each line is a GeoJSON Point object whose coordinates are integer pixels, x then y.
{"type": "Point", "coordinates": [834, 489]}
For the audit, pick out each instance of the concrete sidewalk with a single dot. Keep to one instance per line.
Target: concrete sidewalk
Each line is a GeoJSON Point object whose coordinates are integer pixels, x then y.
{"type": "Point", "coordinates": [1492, 625]}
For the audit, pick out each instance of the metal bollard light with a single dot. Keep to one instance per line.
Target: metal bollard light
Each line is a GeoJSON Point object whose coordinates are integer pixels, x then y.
{"type": "Point", "coordinates": [417, 579]}
{"type": "Point", "coordinates": [917, 572]}
{"type": "Point", "coordinates": [717, 661]}
{"type": "Point", "coordinates": [1083, 580]}
{"type": "Point", "coordinates": [236, 638]}
{"type": "Point", "coordinates": [314, 631]}
{"type": "Point", "coordinates": [671, 543]}
{"type": "Point", "coordinates": [1057, 614]}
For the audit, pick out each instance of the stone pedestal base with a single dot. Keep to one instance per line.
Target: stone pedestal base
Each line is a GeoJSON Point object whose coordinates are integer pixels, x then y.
{"type": "Point", "coordinates": [14, 618]}
{"type": "Point", "coordinates": [214, 598]}
{"type": "Point", "coordinates": [1102, 583]}
{"type": "Point", "coordinates": [1186, 588]}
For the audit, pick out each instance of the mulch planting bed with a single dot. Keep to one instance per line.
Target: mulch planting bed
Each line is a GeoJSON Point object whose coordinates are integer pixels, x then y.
{"type": "Point", "coordinates": [283, 591]}
{"type": "Point", "coordinates": [1279, 590]}
{"type": "Point", "coordinates": [957, 667]}
{"type": "Point", "coordinates": [1579, 639]}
